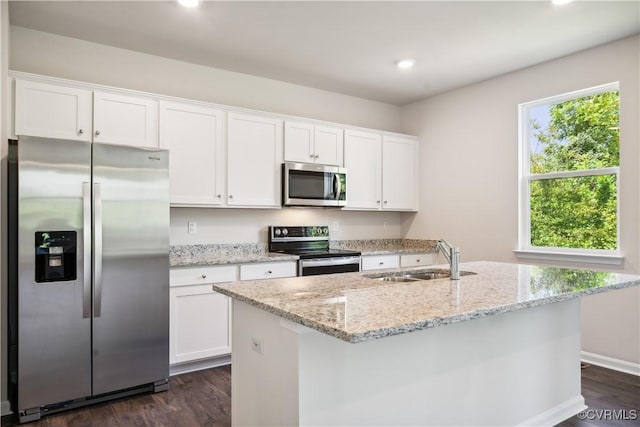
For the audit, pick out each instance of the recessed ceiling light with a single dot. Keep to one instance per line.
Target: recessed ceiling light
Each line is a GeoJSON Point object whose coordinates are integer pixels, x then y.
{"type": "Point", "coordinates": [406, 63]}
{"type": "Point", "coordinates": [189, 3]}
{"type": "Point", "coordinates": [560, 2]}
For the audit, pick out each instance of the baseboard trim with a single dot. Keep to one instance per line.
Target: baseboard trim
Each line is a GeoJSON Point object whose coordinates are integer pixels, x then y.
{"type": "Point", "coordinates": [198, 365]}
{"type": "Point", "coordinates": [5, 408]}
{"type": "Point", "coordinates": [611, 363]}
{"type": "Point", "coordinates": [558, 413]}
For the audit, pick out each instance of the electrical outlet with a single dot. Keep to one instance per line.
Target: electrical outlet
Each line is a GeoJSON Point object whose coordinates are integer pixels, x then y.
{"type": "Point", "coordinates": [193, 227]}
{"type": "Point", "coordinates": [256, 345]}
{"type": "Point", "coordinates": [335, 226]}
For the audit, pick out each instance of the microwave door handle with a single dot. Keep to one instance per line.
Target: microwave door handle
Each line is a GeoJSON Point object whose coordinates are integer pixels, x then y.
{"type": "Point", "coordinates": [336, 186]}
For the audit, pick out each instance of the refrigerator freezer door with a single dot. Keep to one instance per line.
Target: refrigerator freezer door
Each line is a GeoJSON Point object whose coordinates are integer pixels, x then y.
{"type": "Point", "coordinates": [131, 296]}
{"type": "Point", "coordinates": [54, 329]}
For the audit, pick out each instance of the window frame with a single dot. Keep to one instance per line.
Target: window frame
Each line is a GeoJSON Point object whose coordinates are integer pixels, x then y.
{"type": "Point", "coordinates": [525, 249]}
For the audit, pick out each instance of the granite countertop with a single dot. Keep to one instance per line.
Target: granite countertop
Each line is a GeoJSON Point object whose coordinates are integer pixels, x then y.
{"type": "Point", "coordinates": [386, 246]}
{"type": "Point", "coordinates": [242, 253]}
{"type": "Point", "coordinates": [214, 254]}
{"type": "Point", "coordinates": [355, 308]}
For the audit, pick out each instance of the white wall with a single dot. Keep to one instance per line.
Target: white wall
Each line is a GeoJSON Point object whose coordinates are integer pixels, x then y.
{"type": "Point", "coordinates": [43, 53]}
{"type": "Point", "coordinates": [469, 173]}
{"type": "Point", "coordinates": [250, 225]}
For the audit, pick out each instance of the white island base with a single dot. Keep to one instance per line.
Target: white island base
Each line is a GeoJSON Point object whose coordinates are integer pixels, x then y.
{"type": "Point", "coordinates": [515, 368]}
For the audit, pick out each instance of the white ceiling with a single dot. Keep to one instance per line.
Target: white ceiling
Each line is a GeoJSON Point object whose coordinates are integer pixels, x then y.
{"type": "Point", "coordinates": [347, 47]}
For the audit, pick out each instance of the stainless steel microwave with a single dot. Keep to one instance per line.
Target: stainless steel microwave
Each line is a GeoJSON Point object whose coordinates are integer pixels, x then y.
{"type": "Point", "coordinates": [313, 185]}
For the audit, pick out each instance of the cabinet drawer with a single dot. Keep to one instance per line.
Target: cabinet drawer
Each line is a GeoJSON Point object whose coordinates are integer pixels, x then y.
{"type": "Point", "coordinates": [202, 275]}
{"type": "Point", "coordinates": [267, 270]}
{"type": "Point", "coordinates": [380, 261]}
{"type": "Point", "coordinates": [414, 260]}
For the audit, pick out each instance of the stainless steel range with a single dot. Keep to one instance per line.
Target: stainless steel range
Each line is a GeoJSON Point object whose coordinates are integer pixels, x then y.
{"type": "Point", "coordinates": [311, 244]}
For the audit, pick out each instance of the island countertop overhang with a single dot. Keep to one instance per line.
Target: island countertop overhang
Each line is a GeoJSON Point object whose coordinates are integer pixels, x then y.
{"type": "Point", "coordinates": [355, 308]}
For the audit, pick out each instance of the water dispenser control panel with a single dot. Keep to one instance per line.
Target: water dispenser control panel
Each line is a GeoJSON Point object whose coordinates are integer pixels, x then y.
{"type": "Point", "coordinates": [55, 253]}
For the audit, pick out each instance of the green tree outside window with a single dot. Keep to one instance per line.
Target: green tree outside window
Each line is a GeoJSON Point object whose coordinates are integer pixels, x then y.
{"type": "Point", "coordinates": [579, 134]}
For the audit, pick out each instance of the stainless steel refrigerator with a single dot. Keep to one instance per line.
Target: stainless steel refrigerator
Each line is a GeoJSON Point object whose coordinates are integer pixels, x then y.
{"type": "Point", "coordinates": [88, 273]}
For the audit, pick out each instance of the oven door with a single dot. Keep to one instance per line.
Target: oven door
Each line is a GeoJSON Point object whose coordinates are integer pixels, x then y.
{"type": "Point", "coordinates": [313, 185]}
{"type": "Point", "coordinates": [315, 266]}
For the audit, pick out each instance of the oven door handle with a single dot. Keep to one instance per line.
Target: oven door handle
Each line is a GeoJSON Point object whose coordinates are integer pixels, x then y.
{"type": "Point", "coordinates": [325, 262]}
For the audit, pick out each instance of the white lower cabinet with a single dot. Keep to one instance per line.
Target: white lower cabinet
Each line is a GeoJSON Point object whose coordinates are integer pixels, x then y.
{"type": "Point", "coordinates": [377, 262]}
{"type": "Point", "coordinates": [268, 270]}
{"type": "Point", "coordinates": [200, 318]}
{"type": "Point", "coordinates": [416, 260]}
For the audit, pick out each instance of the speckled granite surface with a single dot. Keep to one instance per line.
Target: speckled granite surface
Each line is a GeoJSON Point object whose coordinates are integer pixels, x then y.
{"type": "Point", "coordinates": [193, 255]}
{"type": "Point", "coordinates": [385, 246]}
{"type": "Point", "coordinates": [355, 308]}
{"type": "Point", "coordinates": [231, 253]}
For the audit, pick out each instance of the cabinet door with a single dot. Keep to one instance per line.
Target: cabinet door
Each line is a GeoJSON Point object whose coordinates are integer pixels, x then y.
{"type": "Point", "coordinates": [52, 111]}
{"type": "Point", "coordinates": [399, 172]}
{"type": "Point", "coordinates": [329, 145]}
{"type": "Point", "coordinates": [377, 262]}
{"type": "Point", "coordinates": [298, 142]}
{"type": "Point", "coordinates": [414, 260]}
{"type": "Point", "coordinates": [254, 158]}
{"type": "Point", "coordinates": [200, 323]}
{"type": "Point", "coordinates": [193, 134]}
{"type": "Point", "coordinates": [125, 120]}
{"type": "Point", "coordinates": [268, 270]}
{"type": "Point", "coordinates": [362, 151]}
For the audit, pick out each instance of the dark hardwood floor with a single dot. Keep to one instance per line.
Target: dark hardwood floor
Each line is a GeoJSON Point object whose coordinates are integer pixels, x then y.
{"type": "Point", "coordinates": [195, 399]}
{"type": "Point", "coordinates": [203, 398]}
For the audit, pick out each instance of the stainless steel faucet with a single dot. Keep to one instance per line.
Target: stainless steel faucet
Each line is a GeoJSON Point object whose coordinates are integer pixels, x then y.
{"type": "Point", "coordinates": [452, 256]}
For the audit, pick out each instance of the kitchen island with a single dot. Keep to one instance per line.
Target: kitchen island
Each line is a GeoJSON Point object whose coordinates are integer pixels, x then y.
{"type": "Point", "coordinates": [499, 347]}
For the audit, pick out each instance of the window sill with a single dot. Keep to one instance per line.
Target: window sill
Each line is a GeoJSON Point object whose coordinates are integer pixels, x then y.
{"type": "Point", "coordinates": [569, 257]}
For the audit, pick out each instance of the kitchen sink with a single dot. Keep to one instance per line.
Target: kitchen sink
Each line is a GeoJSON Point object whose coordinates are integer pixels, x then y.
{"type": "Point", "coordinates": [415, 275]}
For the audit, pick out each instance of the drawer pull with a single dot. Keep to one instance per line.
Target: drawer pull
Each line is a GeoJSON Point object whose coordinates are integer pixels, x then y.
{"type": "Point", "coordinates": [418, 260]}
{"type": "Point", "coordinates": [381, 263]}
{"type": "Point", "coordinates": [204, 276]}
{"type": "Point", "coordinates": [269, 271]}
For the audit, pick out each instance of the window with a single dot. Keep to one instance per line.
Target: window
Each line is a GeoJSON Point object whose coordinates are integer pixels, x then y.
{"type": "Point", "coordinates": [569, 165]}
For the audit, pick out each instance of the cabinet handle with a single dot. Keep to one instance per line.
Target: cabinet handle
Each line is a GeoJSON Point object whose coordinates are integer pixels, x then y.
{"type": "Point", "coordinates": [80, 131]}
{"type": "Point", "coordinates": [385, 202]}
{"type": "Point", "coordinates": [269, 271]}
{"type": "Point", "coordinates": [418, 260]}
{"type": "Point", "coordinates": [97, 132]}
{"type": "Point", "coordinates": [219, 196]}
{"type": "Point", "coordinates": [231, 196]}
{"type": "Point", "coordinates": [311, 156]}
{"type": "Point", "coordinates": [381, 263]}
{"type": "Point", "coordinates": [378, 201]}
{"type": "Point", "coordinates": [317, 156]}
{"type": "Point", "coordinates": [204, 276]}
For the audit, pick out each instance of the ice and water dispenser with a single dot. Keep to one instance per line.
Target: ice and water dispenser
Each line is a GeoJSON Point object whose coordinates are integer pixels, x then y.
{"type": "Point", "coordinates": [55, 253]}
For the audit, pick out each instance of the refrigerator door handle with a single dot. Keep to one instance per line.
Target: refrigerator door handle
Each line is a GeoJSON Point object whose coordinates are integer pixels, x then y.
{"type": "Point", "coordinates": [86, 248]}
{"type": "Point", "coordinates": [97, 249]}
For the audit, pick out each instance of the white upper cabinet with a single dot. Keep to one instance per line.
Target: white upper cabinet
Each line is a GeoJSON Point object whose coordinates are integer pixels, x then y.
{"type": "Point", "coordinates": [362, 151]}
{"type": "Point", "coordinates": [382, 173]}
{"type": "Point", "coordinates": [56, 111]}
{"type": "Point", "coordinates": [125, 120]}
{"type": "Point", "coordinates": [52, 111]}
{"type": "Point", "coordinates": [254, 158]}
{"type": "Point", "coordinates": [399, 173]}
{"type": "Point", "coordinates": [308, 143]}
{"type": "Point", "coordinates": [194, 136]}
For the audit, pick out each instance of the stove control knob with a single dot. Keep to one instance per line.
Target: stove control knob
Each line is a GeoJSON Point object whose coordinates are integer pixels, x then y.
{"type": "Point", "coordinates": [277, 231]}
{"type": "Point", "coordinates": [285, 231]}
{"type": "Point", "coordinates": [325, 231]}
